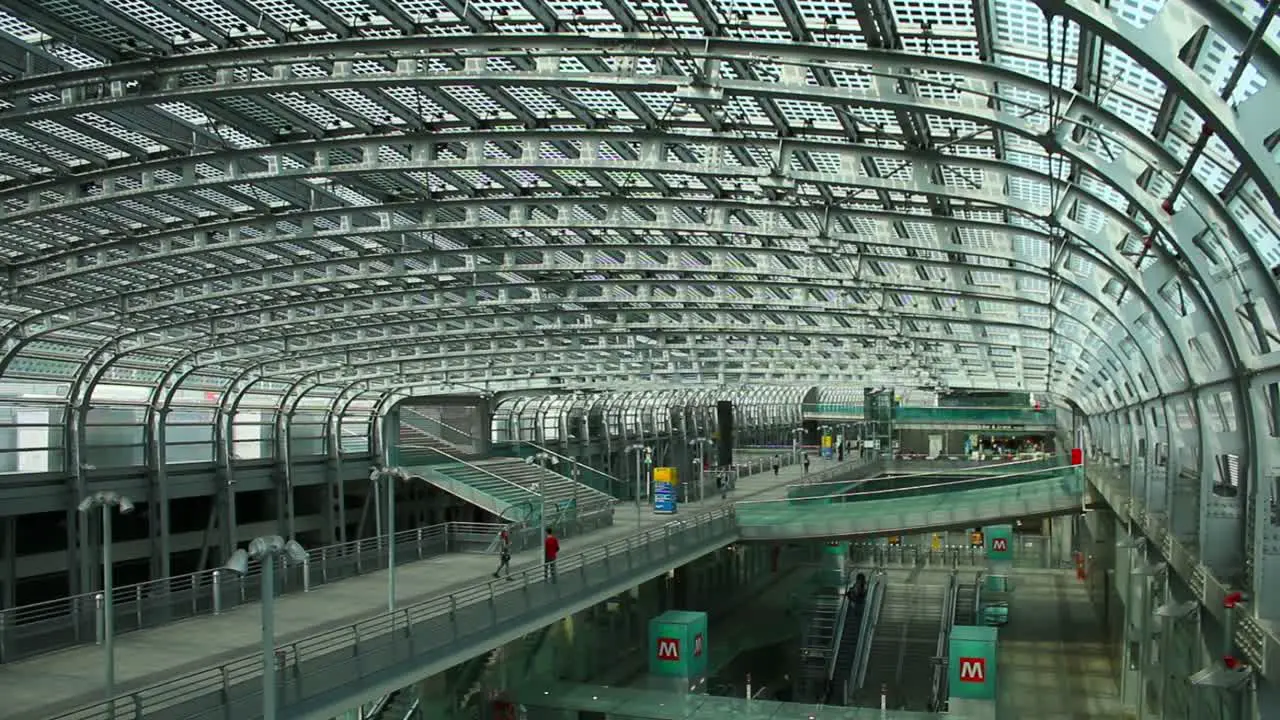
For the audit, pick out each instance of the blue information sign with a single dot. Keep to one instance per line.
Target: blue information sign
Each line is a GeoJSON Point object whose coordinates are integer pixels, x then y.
{"type": "Point", "coordinates": [664, 497]}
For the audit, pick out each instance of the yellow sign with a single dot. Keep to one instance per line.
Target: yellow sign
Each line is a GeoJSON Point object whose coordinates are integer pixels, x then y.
{"type": "Point", "coordinates": [937, 541]}
{"type": "Point", "coordinates": [665, 474]}
{"type": "Point", "coordinates": [975, 539]}
{"type": "Point", "coordinates": [826, 441]}
{"type": "Point", "coordinates": [894, 539]}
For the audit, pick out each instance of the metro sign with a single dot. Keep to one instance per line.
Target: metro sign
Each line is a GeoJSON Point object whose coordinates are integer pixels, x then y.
{"type": "Point", "coordinates": [669, 648]}
{"type": "Point", "coordinates": [1000, 544]}
{"type": "Point", "coordinates": [697, 645]}
{"type": "Point", "coordinates": [973, 669]}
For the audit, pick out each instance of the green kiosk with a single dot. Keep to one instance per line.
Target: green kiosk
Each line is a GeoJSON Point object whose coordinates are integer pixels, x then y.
{"type": "Point", "coordinates": [996, 585]}
{"type": "Point", "coordinates": [678, 651]}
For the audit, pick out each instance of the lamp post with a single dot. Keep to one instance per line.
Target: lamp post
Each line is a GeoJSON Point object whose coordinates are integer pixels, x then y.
{"type": "Point", "coordinates": [797, 434]}
{"type": "Point", "coordinates": [644, 454]}
{"type": "Point", "coordinates": [542, 459]}
{"type": "Point", "coordinates": [267, 550]}
{"type": "Point", "coordinates": [700, 442]}
{"type": "Point", "coordinates": [391, 476]}
{"type": "Point", "coordinates": [107, 500]}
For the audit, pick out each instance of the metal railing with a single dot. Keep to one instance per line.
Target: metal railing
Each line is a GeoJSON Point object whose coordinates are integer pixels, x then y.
{"type": "Point", "coordinates": [938, 689]}
{"type": "Point", "coordinates": [866, 635]}
{"type": "Point", "coordinates": [613, 480]}
{"type": "Point", "coordinates": [957, 485]}
{"type": "Point", "coordinates": [1028, 552]}
{"type": "Point", "coordinates": [448, 433]}
{"type": "Point", "coordinates": [477, 468]}
{"type": "Point", "coordinates": [327, 669]}
{"type": "Point", "coordinates": [77, 619]}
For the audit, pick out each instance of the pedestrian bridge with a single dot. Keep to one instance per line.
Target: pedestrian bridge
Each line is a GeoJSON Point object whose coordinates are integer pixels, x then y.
{"type": "Point", "coordinates": [1019, 419]}
{"type": "Point", "coordinates": [922, 502]}
{"type": "Point", "coordinates": [322, 676]}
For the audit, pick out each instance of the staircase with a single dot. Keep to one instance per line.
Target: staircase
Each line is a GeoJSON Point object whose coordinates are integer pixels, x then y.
{"type": "Point", "coordinates": [902, 649]}
{"type": "Point", "coordinates": [508, 488]}
{"type": "Point", "coordinates": [423, 440]}
{"type": "Point", "coordinates": [560, 490]}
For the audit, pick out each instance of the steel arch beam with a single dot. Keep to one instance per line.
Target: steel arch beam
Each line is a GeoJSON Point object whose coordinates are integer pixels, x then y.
{"type": "Point", "coordinates": [756, 252]}
{"type": "Point", "coordinates": [322, 341]}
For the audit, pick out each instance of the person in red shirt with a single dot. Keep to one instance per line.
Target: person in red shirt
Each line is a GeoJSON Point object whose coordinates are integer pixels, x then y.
{"type": "Point", "coordinates": [550, 549]}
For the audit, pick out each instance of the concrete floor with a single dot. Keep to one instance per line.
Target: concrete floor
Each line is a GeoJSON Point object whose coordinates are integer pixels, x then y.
{"type": "Point", "coordinates": [1053, 661]}
{"type": "Point", "coordinates": [46, 685]}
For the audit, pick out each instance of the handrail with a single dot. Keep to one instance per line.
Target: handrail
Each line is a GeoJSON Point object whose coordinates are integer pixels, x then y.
{"type": "Point", "coordinates": [346, 642]}
{"type": "Point", "coordinates": [977, 595]}
{"type": "Point", "coordinates": [867, 631]}
{"type": "Point", "coordinates": [839, 469]}
{"type": "Point", "coordinates": [203, 584]}
{"type": "Point", "coordinates": [377, 707]}
{"type": "Point", "coordinates": [572, 461]}
{"type": "Point", "coordinates": [944, 638]}
{"type": "Point", "coordinates": [870, 493]}
{"type": "Point", "coordinates": [477, 467]}
{"type": "Point", "coordinates": [442, 424]}
{"type": "Point", "coordinates": [413, 709]}
{"type": "Point", "coordinates": [928, 473]}
{"type": "Point", "coordinates": [841, 616]}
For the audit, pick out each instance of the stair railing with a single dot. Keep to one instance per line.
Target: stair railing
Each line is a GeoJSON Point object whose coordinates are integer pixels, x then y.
{"type": "Point", "coordinates": [576, 463]}
{"type": "Point", "coordinates": [463, 436]}
{"type": "Point", "coordinates": [478, 468]}
{"type": "Point", "coordinates": [412, 711]}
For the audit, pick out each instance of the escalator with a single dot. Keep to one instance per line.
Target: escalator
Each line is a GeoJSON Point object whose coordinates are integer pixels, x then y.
{"type": "Point", "coordinates": [817, 645]}
{"type": "Point", "coordinates": [966, 604]}
{"type": "Point", "coordinates": [399, 705]}
{"type": "Point", "coordinates": [847, 650]}
{"type": "Point", "coordinates": [901, 662]}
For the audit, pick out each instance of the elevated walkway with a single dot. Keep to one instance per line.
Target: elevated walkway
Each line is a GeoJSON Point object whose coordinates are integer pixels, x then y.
{"type": "Point", "coordinates": [991, 419]}
{"type": "Point", "coordinates": [962, 503]}
{"type": "Point", "coordinates": [181, 670]}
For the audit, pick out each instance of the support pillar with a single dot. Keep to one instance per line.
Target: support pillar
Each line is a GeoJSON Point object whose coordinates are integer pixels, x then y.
{"type": "Point", "coordinates": [8, 562]}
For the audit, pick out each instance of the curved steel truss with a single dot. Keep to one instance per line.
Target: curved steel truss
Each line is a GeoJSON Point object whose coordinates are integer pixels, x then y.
{"type": "Point", "coordinates": [322, 207]}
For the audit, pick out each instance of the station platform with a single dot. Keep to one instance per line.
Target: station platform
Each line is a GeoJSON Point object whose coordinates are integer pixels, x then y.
{"type": "Point", "coordinates": [179, 654]}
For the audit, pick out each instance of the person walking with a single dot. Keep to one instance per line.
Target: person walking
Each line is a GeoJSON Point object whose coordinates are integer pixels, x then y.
{"type": "Point", "coordinates": [777, 463]}
{"type": "Point", "coordinates": [805, 459]}
{"type": "Point", "coordinates": [550, 549]}
{"type": "Point", "coordinates": [504, 553]}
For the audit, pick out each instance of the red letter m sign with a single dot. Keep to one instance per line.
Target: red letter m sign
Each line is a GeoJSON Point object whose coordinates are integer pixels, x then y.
{"type": "Point", "coordinates": [1000, 544]}
{"type": "Point", "coordinates": [668, 649]}
{"type": "Point", "coordinates": [973, 670]}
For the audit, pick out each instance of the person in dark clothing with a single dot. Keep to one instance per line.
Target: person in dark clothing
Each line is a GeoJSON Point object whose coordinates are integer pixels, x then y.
{"type": "Point", "coordinates": [777, 463]}
{"type": "Point", "coordinates": [805, 458]}
{"type": "Point", "coordinates": [504, 554]}
{"type": "Point", "coordinates": [550, 549]}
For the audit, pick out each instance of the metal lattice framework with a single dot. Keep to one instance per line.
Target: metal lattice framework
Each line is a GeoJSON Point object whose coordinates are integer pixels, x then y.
{"type": "Point", "coordinates": [658, 192]}
{"type": "Point", "coordinates": [342, 203]}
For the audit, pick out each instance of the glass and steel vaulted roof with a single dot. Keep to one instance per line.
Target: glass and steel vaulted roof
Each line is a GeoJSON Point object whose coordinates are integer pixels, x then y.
{"type": "Point", "coordinates": [1058, 195]}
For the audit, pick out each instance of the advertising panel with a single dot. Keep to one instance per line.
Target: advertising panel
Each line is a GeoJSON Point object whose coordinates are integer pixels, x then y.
{"type": "Point", "coordinates": [664, 490]}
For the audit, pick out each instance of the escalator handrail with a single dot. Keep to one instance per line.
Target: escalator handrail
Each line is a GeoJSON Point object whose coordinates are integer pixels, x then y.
{"type": "Point", "coordinates": [866, 631]}
{"type": "Point", "coordinates": [944, 638]}
{"type": "Point", "coordinates": [977, 597]}
{"type": "Point", "coordinates": [841, 616]}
